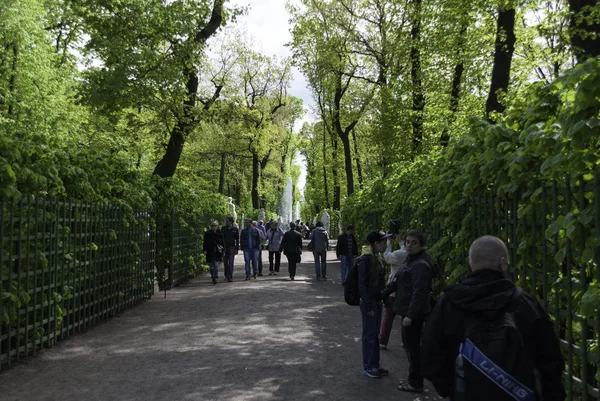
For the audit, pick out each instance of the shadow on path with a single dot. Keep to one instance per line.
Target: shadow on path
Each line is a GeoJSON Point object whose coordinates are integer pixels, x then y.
{"type": "Point", "coordinates": [269, 339]}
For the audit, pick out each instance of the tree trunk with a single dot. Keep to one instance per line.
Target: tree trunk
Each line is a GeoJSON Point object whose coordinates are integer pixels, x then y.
{"type": "Point", "coordinates": [505, 47]}
{"type": "Point", "coordinates": [357, 156]}
{"type": "Point", "coordinates": [343, 135]}
{"type": "Point", "coordinates": [186, 122]}
{"type": "Point", "coordinates": [348, 161]}
{"type": "Point", "coordinates": [222, 173]}
{"type": "Point", "coordinates": [255, 174]}
{"type": "Point", "coordinates": [459, 69]}
{"type": "Point", "coordinates": [325, 187]}
{"type": "Point", "coordinates": [416, 74]}
{"type": "Point", "coordinates": [584, 29]}
{"type": "Point", "coordinates": [337, 191]}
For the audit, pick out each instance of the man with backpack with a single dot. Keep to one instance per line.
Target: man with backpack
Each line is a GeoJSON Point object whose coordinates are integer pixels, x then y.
{"type": "Point", "coordinates": [487, 339]}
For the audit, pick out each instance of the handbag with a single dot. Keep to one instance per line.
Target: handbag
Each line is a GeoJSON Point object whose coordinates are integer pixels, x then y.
{"type": "Point", "coordinates": [311, 245]}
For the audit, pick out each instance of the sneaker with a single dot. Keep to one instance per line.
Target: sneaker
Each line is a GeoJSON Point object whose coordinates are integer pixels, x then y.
{"type": "Point", "coordinates": [318, 277]}
{"type": "Point", "coordinates": [343, 283]}
{"type": "Point", "coordinates": [270, 273]}
{"type": "Point", "coordinates": [324, 277]}
{"type": "Point", "coordinates": [254, 276]}
{"type": "Point", "coordinates": [383, 372]}
{"type": "Point", "coordinates": [372, 373]}
{"type": "Point", "coordinates": [381, 346]}
{"type": "Point", "coordinates": [259, 275]}
{"type": "Point", "coordinates": [275, 273]}
{"type": "Point", "coordinates": [247, 278]}
{"type": "Point", "coordinates": [291, 279]}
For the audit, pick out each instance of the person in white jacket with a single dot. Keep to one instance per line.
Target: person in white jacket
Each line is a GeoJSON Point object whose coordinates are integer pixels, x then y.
{"type": "Point", "coordinates": [395, 259]}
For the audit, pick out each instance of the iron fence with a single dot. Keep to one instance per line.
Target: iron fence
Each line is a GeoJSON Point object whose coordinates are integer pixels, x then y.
{"type": "Point", "coordinates": [66, 265]}
{"type": "Point", "coordinates": [552, 231]}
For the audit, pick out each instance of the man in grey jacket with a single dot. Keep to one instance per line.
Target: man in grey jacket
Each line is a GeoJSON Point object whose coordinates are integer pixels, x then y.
{"type": "Point", "coordinates": [274, 236]}
{"type": "Point", "coordinates": [320, 240]}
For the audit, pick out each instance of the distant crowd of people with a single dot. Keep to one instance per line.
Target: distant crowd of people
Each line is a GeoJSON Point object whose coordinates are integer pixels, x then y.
{"type": "Point", "coordinates": [483, 339]}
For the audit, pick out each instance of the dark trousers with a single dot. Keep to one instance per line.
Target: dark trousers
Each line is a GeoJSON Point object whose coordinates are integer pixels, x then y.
{"type": "Point", "coordinates": [292, 261]}
{"type": "Point", "coordinates": [228, 262]}
{"type": "Point", "coordinates": [260, 261]}
{"type": "Point", "coordinates": [277, 256]}
{"type": "Point", "coordinates": [371, 324]}
{"type": "Point", "coordinates": [320, 263]}
{"type": "Point", "coordinates": [388, 321]}
{"type": "Point", "coordinates": [411, 337]}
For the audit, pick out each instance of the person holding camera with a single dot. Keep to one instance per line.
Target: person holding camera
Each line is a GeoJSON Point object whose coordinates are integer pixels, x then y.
{"type": "Point", "coordinates": [347, 250]}
{"type": "Point", "coordinates": [395, 259]}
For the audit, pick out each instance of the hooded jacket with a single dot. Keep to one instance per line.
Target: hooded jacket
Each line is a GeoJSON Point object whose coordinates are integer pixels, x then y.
{"type": "Point", "coordinates": [488, 292]}
{"type": "Point", "coordinates": [321, 239]}
{"type": "Point", "coordinates": [274, 237]}
{"type": "Point", "coordinates": [412, 285]}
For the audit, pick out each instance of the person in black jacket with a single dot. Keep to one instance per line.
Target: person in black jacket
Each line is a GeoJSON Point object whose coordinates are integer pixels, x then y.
{"type": "Point", "coordinates": [487, 291]}
{"type": "Point", "coordinates": [231, 236]}
{"type": "Point", "coordinates": [347, 250]}
{"type": "Point", "coordinates": [291, 246]}
{"type": "Point", "coordinates": [214, 250]}
{"type": "Point", "coordinates": [412, 286]}
{"type": "Point", "coordinates": [371, 282]}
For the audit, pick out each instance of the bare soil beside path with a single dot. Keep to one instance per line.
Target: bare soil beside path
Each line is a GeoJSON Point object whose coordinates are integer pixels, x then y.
{"type": "Point", "coordinates": [268, 339]}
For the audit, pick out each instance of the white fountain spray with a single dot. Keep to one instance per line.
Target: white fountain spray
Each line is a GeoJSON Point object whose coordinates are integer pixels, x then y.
{"type": "Point", "coordinates": [286, 205]}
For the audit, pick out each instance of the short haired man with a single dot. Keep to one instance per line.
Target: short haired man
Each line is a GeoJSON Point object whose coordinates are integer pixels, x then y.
{"type": "Point", "coordinates": [274, 236]}
{"type": "Point", "coordinates": [346, 250]}
{"type": "Point", "coordinates": [263, 238]}
{"type": "Point", "coordinates": [231, 236]}
{"type": "Point", "coordinates": [250, 244]}
{"type": "Point", "coordinates": [291, 246]}
{"type": "Point", "coordinates": [483, 296]}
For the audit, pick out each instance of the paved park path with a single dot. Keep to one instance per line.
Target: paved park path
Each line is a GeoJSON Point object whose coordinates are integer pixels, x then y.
{"type": "Point", "coordinates": [269, 339]}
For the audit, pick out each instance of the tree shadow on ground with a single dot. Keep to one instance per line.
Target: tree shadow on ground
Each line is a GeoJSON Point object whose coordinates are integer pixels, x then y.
{"type": "Point", "coordinates": [270, 339]}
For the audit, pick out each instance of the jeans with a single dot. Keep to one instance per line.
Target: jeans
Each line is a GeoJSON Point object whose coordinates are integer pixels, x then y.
{"type": "Point", "coordinates": [214, 269]}
{"type": "Point", "coordinates": [371, 322]}
{"type": "Point", "coordinates": [292, 261]}
{"type": "Point", "coordinates": [347, 262]}
{"type": "Point", "coordinates": [388, 321]}
{"type": "Point", "coordinates": [320, 263]}
{"type": "Point", "coordinates": [411, 337]}
{"type": "Point", "coordinates": [228, 262]}
{"type": "Point", "coordinates": [251, 255]}
{"type": "Point", "coordinates": [277, 256]}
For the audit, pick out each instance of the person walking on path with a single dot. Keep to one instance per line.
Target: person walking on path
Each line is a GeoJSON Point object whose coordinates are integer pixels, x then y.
{"type": "Point", "coordinates": [412, 285]}
{"type": "Point", "coordinates": [395, 259]}
{"type": "Point", "coordinates": [291, 245]}
{"type": "Point", "coordinates": [214, 250]}
{"type": "Point", "coordinates": [274, 236]}
{"type": "Point", "coordinates": [250, 244]}
{"type": "Point", "coordinates": [263, 238]}
{"type": "Point", "coordinates": [487, 297]}
{"type": "Point", "coordinates": [371, 283]}
{"type": "Point", "coordinates": [231, 238]}
{"type": "Point", "coordinates": [346, 250]}
{"type": "Point", "coordinates": [320, 240]}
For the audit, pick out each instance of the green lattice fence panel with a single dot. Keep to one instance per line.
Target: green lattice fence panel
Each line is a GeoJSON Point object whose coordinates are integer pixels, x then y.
{"type": "Point", "coordinates": [65, 266]}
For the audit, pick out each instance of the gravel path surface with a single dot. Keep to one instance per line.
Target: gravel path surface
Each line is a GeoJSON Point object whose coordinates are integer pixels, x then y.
{"type": "Point", "coordinates": [267, 339]}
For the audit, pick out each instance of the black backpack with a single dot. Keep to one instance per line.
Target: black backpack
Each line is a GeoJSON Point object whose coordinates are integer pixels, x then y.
{"type": "Point", "coordinates": [498, 338]}
{"type": "Point", "coordinates": [351, 292]}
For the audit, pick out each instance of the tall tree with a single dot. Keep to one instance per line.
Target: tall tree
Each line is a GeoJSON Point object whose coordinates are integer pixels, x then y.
{"type": "Point", "coordinates": [503, 54]}
{"type": "Point", "coordinates": [585, 28]}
